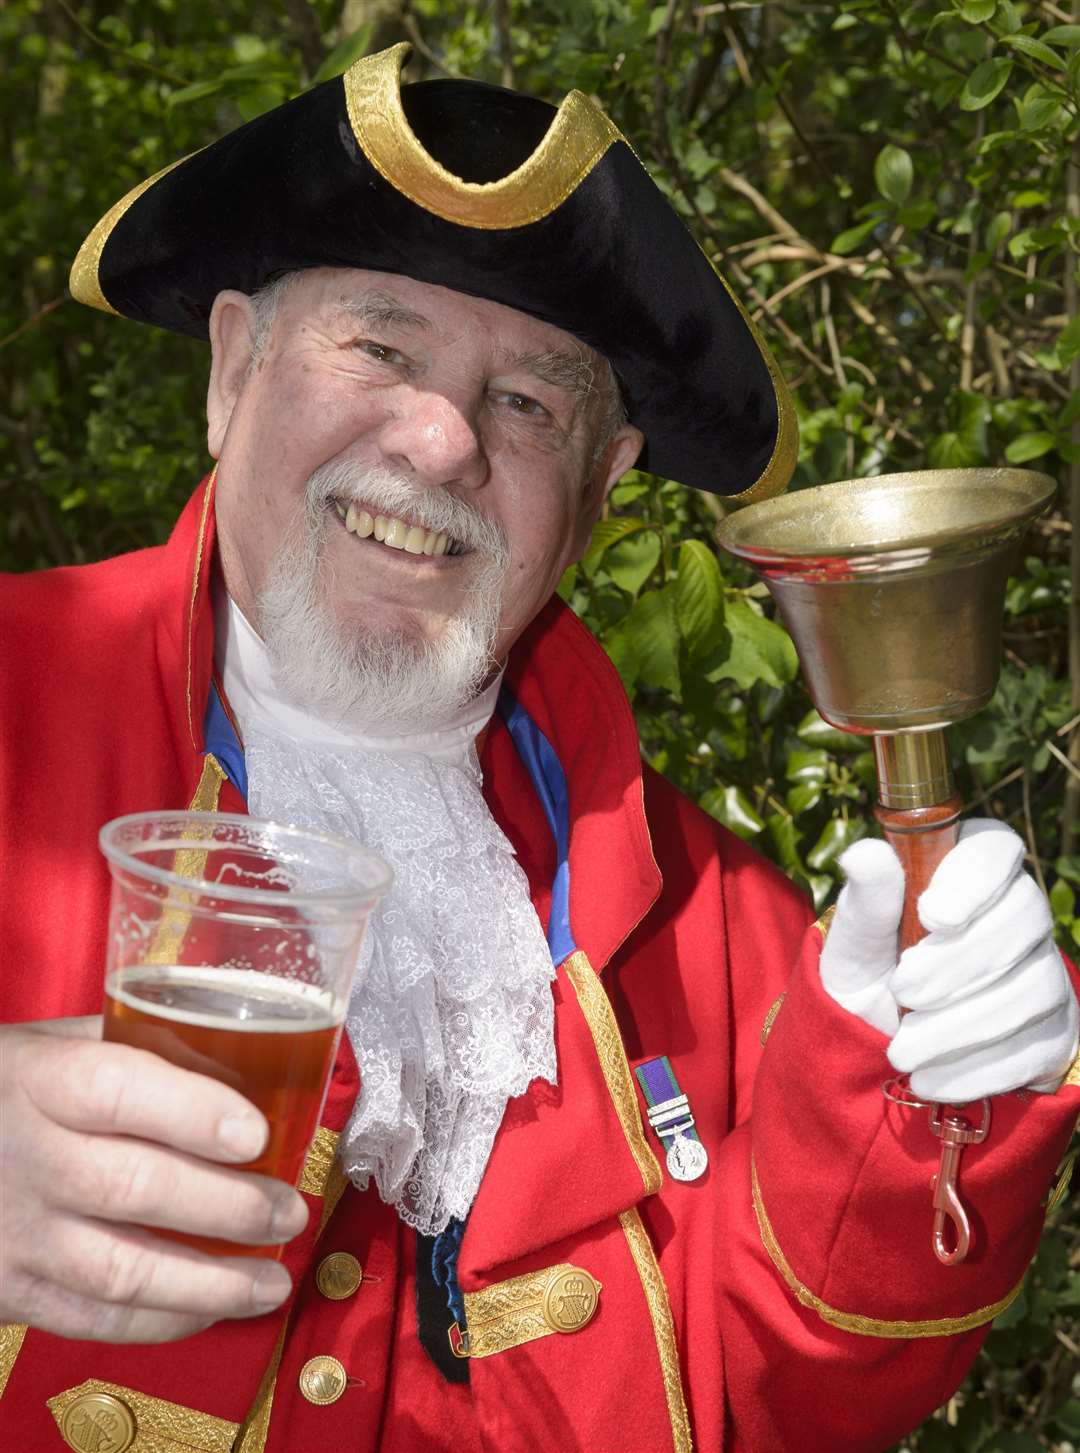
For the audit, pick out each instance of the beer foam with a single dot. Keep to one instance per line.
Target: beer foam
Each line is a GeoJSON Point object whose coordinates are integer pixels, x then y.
{"type": "Point", "coordinates": [235, 999]}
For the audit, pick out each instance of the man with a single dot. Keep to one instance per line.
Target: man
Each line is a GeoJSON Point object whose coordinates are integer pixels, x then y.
{"type": "Point", "coordinates": [444, 320]}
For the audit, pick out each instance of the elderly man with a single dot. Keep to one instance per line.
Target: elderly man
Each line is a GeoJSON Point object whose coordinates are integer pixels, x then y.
{"type": "Point", "coordinates": [444, 320]}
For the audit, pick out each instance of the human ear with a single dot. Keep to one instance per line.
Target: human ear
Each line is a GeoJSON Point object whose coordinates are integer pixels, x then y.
{"type": "Point", "coordinates": [622, 450]}
{"type": "Point", "coordinates": [232, 335]}
{"type": "Point", "coordinates": [619, 454]}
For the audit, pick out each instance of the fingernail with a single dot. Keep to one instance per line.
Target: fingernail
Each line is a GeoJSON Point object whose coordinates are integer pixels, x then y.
{"type": "Point", "coordinates": [241, 1136]}
{"type": "Point", "coordinates": [289, 1217]}
{"type": "Point", "coordinates": [270, 1287]}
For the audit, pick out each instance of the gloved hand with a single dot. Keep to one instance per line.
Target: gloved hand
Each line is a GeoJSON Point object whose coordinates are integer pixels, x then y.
{"type": "Point", "coordinates": [992, 1006]}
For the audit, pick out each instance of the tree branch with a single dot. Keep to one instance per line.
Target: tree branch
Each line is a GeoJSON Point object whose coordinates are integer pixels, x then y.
{"type": "Point", "coordinates": [118, 50]}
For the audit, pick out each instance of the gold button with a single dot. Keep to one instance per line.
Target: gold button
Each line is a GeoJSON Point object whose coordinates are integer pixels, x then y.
{"type": "Point", "coordinates": [322, 1380]}
{"type": "Point", "coordinates": [570, 1300]}
{"type": "Point", "coordinates": [98, 1423]}
{"type": "Point", "coordinates": [339, 1275]}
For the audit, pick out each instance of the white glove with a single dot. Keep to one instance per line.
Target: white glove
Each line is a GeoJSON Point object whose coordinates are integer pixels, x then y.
{"type": "Point", "coordinates": [992, 1006]}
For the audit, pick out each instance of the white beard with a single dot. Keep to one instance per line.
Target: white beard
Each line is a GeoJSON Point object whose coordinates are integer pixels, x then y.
{"type": "Point", "coordinates": [370, 677]}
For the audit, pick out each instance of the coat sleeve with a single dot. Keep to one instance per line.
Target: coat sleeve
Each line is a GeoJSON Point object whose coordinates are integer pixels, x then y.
{"type": "Point", "coordinates": [833, 1299]}
{"type": "Point", "coordinates": [810, 1309]}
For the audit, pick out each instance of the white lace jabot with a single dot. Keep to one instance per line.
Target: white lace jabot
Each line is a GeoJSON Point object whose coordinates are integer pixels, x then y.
{"type": "Point", "coordinates": [451, 1012]}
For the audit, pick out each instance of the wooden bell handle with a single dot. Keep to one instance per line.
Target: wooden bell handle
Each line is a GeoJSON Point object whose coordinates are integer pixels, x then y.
{"type": "Point", "coordinates": [921, 836]}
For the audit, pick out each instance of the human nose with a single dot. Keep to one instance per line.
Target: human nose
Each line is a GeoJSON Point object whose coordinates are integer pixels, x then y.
{"type": "Point", "coordinates": [437, 439]}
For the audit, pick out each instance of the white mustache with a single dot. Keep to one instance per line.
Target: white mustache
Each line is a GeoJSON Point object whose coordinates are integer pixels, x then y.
{"type": "Point", "coordinates": [381, 491]}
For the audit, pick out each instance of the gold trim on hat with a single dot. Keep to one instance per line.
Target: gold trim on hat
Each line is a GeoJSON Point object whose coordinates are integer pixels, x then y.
{"type": "Point", "coordinates": [577, 138]}
{"type": "Point", "coordinates": [83, 282]}
{"type": "Point", "coordinates": [777, 473]}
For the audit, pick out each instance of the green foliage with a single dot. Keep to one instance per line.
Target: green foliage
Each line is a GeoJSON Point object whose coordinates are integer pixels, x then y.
{"type": "Point", "coordinates": [884, 184]}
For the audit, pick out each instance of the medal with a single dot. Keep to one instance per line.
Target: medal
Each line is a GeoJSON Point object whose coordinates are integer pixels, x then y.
{"type": "Point", "coordinates": [686, 1159]}
{"type": "Point", "coordinates": [671, 1120]}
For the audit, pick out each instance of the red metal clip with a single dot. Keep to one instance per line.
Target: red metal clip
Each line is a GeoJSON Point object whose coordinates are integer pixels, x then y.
{"type": "Point", "coordinates": [954, 1133]}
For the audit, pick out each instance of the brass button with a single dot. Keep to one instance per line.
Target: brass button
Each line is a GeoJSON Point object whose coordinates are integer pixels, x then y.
{"type": "Point", "coordinates": [339, 1275]}
{"type": "Point", "coordinates": [98, 1423]}
{"type": "Point", "coordinates": [570, 1300]}
{"type": "Point", "coordinates": [322, 1380]}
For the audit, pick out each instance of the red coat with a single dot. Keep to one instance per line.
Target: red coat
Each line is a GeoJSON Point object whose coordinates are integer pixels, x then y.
{"type": "Point", "coordinates": [788, 1299]}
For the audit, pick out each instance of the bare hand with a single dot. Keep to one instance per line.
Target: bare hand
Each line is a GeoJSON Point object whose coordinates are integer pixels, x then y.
{"type": "Point", "coordinates": [98, 1140]}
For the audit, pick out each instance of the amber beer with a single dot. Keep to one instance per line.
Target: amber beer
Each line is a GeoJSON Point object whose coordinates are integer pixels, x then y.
{"type": "Point", "coordinates": [271, 1039]}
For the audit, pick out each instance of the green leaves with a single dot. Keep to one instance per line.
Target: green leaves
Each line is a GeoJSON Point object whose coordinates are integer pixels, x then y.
{"type": "Point", "coordinates": [852, 238]}
{"type": "Point", "coordinates": [733, 808]}
{"type": "Point", "coordinates": [631, 560]}
{"type": "Point", "coordinates": [975, 12]}
{"type": "Point", "coordinates": [985, 83]}
{"type": "Point", "coordinates": [699, 598]}
{"type": "Point", "coordinates": [760, 650]}
{"type": "Point", "coordinates": [342, 56]}
{"type": "Point", "coordinates": [645, 645]}
{"type": "Point", "coordinates": [1036, 50]}
{"type": "Point", "coordinates": [1029, 446]}
{"type": "Point", "coordinates": [893, 175]}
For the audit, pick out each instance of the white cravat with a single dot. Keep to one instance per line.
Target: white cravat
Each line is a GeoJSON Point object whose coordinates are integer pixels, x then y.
{"type": "Point", "coordinates": [451, 1012]}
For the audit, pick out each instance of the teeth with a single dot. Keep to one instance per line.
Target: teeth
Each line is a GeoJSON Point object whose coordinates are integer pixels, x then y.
{"type": "Point", "coordinates": [413, 539]}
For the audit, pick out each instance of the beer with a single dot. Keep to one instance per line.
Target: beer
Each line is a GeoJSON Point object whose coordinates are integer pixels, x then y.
{"type": "Point", "coordinates": [272, 1039]}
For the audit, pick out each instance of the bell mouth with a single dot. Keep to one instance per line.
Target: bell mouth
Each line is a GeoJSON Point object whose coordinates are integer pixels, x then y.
{"type": "Point", "coordinates": [925, 520]}
{"type": "Point", "coordinates": [893, 587]}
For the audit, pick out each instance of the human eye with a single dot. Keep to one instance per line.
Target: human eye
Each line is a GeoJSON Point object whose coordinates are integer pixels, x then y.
{"type": "Point", "coordinates": [380, 352]}
{"type": "Point", "coordinates": [522, 404]}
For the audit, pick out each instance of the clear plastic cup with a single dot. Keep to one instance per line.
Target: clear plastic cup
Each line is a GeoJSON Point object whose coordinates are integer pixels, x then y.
{"type": "Point", "coordinates": [232, 946]}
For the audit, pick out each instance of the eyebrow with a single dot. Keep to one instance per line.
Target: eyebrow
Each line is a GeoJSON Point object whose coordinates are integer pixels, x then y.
{"type": "Point", "coordinates": [562, 370]}
{"type": "Point", "coordinates": [381, 310]}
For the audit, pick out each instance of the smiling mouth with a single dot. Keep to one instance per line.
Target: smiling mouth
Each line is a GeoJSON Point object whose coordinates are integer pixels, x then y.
{"type": "Point", "coordinates": [397, 534]}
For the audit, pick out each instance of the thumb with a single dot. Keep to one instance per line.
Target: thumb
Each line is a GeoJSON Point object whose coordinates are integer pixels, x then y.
{"type": "Point", "coordinates": [861, 947]}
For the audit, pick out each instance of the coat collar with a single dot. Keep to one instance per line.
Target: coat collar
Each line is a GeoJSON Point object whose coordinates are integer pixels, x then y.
{"type": "Point", "coordinates": [568, 685]}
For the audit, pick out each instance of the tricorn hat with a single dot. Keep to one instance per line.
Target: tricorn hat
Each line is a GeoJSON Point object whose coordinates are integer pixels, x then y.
{"type": "Point", "coordinates": [483, 190]}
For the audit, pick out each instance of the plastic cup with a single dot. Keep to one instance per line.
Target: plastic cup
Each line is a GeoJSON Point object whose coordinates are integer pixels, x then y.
{"type": "Point", "coordinates": [232, 946]}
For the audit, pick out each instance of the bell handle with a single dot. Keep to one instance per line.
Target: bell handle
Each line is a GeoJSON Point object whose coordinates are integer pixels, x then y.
{"type": "Point", "coordinates": [920, 837]}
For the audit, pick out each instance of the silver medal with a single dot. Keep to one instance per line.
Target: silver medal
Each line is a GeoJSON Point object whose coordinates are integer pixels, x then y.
{"type": "Point", "coordinates": [686, 1159]}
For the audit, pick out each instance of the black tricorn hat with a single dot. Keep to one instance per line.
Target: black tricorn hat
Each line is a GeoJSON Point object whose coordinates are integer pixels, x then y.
{"type": "Point", "coordinates": [479, 189]}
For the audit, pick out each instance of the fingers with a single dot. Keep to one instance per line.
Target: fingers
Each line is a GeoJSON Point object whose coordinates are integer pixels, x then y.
{"type": "Point", "coordinates": [1014, 1032]}
{"type": "Point", "coordinates": [86, 1026]}
{"type": "Point", "coordinates": [945, 967]}
{"type": "Point", "coordinates": [861, 943]}
{"type": "Point", "coordinates": [117, 1179]}
{"type": "Point", "coordinates": [127, 1272]}
{"type": "Point", "coordinates": [972, 876]}
{"type": "Point", "coordinates": [117, 1090]}
{"type": "Point", "coordinates": [1030, 1059]}
{"type": "Point", "coordinates": [52, 1308]}
{"type": "Point", "coordinates": [860, 949]}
